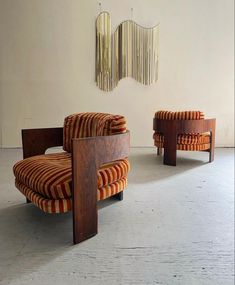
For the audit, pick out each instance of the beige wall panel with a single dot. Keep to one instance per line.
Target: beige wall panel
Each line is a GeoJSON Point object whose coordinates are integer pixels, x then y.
{"type": "Point", "coordinates": [47, 64]}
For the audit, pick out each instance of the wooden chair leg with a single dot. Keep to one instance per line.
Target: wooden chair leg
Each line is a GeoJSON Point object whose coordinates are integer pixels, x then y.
{"type": "Point", "coordinates": [119, 196]}
{"type": "Point", "coordinates": [212, 145]}
{"type": "Point", "coordinates": [211, 155]}
{"type": "Point", "coordinates": [159, 151]}
{"type": "Point", "coordinates": [169, 157]}
{"type": "Point", "coordinates": [170, 148]}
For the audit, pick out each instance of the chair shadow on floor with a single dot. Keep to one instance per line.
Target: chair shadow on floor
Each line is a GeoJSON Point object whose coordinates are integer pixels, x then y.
{"type": "Point", "coordinates": [31, 238]}
{"type": "Point", "coordinates": [149, 167]}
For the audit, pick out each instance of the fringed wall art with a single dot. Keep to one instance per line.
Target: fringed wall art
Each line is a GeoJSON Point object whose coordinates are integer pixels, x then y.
{"type": "Point", "coordinates": [131, 51]}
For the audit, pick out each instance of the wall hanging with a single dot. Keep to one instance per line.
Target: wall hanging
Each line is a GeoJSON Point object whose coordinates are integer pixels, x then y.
{"type": "Point", "coordinates": [131, 51]}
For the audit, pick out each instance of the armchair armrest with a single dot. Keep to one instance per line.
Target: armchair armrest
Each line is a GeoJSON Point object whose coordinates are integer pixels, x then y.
{"type": "Point", "coordinates": [37, 141]}
{"type": "Point", "coordinates": [171, 128]}
{"type": "Point", "coordinates": [184, 126]}
{"type": "Point", "coordinates": [88, 154]}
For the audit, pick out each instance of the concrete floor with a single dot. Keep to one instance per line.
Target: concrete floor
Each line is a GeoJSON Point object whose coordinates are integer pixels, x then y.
{"type": "Point", "coordinates": [174, 226]}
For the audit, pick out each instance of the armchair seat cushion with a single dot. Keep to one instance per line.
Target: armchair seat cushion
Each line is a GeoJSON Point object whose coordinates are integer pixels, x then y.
{"type": "Point", "coordinates": [64, 205]}
{"type": "Point", "coordinates": [186, 141]}
{"type": "Point", "coordinates": [50, 175]}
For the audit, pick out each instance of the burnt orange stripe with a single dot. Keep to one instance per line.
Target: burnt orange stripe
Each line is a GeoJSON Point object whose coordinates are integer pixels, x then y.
{"type": "Point", "coordinates": [181, 115]}
{"type": "Point", "coordinates": [55, 178]}
{"type": "Point", "coordinates": [83, 128]}
{"type": "Point", "coordinates": [86, 125]}
{"type": "Point", "coordinates": [32, 172]}
{"type": "Point", "coordinates": [43, 179]}
{"type": "Point", "coordinates": [86, 122]}
{"type": "Point", "coordinates": [102, 178]}
{"type": "Point", "coordinates": [35, 181]}
{"type": "Point", "coordinates": [109, 175]}
{"type": "Point", "coordinates": [90, 124]}
{"type": "Point", "coordinates": [63, 188]}
{"type": "Point", "coordinates": [118, 171]}
{"type": "Point", "coordinates": [63, 205]}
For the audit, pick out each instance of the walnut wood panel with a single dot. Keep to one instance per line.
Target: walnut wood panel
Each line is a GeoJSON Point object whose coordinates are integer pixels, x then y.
{"type": "Point", "coordinates": [88, 154]}
{"type": "Point", "coordinates": [172, 128]}
{"type": "Point", "coordinates": [37, 141]}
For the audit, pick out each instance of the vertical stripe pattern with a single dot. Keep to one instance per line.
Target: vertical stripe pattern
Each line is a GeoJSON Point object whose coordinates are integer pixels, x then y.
{"type": "Point", "coordinates": [46, 180]}
{"type": "Point", "coordinates": [65, 205]}
{"type": "Point", "coordinates": [191, 142]}
{"type": "Point", "coordinates": [90, 125]}
{"type": "Point", "coordinates": [50, 175]}
{"type": "Point", "coordinates": [182, 115]}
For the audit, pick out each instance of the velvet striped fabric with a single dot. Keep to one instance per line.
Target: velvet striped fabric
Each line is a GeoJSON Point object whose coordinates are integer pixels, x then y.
{"type": "Point", "coordinates": [109, 173]}
{"type": "Point", "coordinates": [194, 142]}
{"type": "Point", "coordinates": [50, 175]}
{"type": "Point", "coordinates": [186, 138]}
{"type": "Point", "coordinates": [65, 205]}
{"type": "Point", "coordinates": [45, 204]}
{"type": "Point", "coordinates": [182, 115]}
{"type": "Point", "coordinates": [190, 142]}
{"type": "Point", "coordinates": [91, 124]}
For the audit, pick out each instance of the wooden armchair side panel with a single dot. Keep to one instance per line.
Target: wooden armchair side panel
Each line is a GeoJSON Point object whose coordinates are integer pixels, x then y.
{"type": "Point", "coordinates": [37, 141]}
{"type": "Point", "coordinates": [171, 128]}
{"type": "Point", "coordinates": [87, 156]}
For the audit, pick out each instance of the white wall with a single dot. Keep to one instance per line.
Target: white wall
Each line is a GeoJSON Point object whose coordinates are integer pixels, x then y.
{"type": "Point", "coordinates": [47, 64]}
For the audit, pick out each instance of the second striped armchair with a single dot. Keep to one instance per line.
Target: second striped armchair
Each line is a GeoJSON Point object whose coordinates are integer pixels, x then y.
{"type": "Point", "coordinates": [185, 130]}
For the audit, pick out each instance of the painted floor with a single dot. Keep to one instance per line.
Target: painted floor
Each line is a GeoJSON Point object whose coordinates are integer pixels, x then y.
{"type": "Point", "coordinates": [174, 226]}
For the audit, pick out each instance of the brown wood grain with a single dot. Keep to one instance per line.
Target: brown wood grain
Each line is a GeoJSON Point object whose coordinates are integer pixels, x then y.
{"type": "Point", "coordinates": [37, 141]}
{"type": "Point", "coordinates": [88, 154]}
{"type": "Point", "coordinates": [172, 128]}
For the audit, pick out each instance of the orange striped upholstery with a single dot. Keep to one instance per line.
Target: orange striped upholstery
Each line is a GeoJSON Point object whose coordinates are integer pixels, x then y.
{"type": "Point", "coordinates": [182, 115]}
{"type": "Point", "coordinates": [46, 180]}
{"type": "Point", "coordinates": [91, 124]}
{"type": "Point", "coordinates": [50, 175]}
{"type": "Point", "coordinates": [109, 173]}
{"type": "Point", "coordinates": [190, 142]}
{"type": "Point", "coordinates": [186, 138]}
{"type": "Point", "coordinates": [65, 205]}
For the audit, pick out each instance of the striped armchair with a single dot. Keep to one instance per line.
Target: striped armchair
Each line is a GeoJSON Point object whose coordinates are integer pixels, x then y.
{"type": "Point", "coordinates": [92, 167]}
{"type": "Point", "coordinates": [186, 130]}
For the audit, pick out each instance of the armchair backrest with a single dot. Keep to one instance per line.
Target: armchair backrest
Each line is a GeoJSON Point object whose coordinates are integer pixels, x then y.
{"type": "Point", "coordinates": [90, 125]}
{"type": "Point", "coordinates": [182, 115]}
